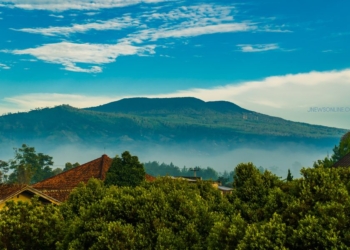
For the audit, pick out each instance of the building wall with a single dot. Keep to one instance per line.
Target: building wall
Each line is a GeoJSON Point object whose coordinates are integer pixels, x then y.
{"type": "Point", "coordinates": [21, 197]}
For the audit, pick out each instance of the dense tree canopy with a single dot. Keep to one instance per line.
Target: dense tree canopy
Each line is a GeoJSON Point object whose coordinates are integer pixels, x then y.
{"type": "Point", "coordinates": [30, 226]}
{"type": "Point", "coordinates": [125, 171]}
{"type": "Point", "coordinates": [263, 212]}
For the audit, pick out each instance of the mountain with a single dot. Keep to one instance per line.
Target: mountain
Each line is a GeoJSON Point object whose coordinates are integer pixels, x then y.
{"type": "Point", "coordinates": [160, 121]}
{"type": "Point", "coordinates": [183, 105]}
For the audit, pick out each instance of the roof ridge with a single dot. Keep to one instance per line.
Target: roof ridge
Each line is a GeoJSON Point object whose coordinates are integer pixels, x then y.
{"type": "Point", "coordinates": [101, 165]}
{"type": "Point", "coordinates": [31, 189]}
{"type": "Point", "coordinates": [80, 166]}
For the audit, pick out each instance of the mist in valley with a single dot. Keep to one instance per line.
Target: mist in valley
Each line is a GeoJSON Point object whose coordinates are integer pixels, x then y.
{"type": "Point", "coordinates": [276, 158]}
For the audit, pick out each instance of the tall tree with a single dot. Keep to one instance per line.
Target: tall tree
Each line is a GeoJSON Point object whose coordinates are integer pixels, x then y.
{"type": "Point", "coordinates": [289, 176]}
{"type": "Point", "coordinates": [342, 149]}
{"type": "Point", "coordinates": [29, 166]}
{"type": "Point", "coordinates": [125, 171]}
{"type": "Point", "coordinates": [338, 152]}
{"type": "Point", "coordinates": [4, 168]}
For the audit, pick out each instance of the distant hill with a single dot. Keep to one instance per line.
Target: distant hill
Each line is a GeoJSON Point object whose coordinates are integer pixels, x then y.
{"type": "Point", "coordinates": [160, 121]}
{"type": "Point", "coordinates": [181, 105]}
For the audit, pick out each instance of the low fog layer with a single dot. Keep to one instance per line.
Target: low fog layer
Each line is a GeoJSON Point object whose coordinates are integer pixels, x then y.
{"type": "Point", "coordinates": [278, 159]}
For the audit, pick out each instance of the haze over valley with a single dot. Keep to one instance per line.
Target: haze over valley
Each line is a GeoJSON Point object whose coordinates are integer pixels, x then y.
{"type": "Point", "coordinates": [185, 131]}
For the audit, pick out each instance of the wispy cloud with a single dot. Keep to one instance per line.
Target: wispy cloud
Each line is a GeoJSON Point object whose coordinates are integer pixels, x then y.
{"type": "Point", "coordinates": [4, 66]}
{"type": "Point", "coordinates": [112, 24]}
{"type": "Point", "coordinates": [189, 21]}
{"type": "Point", "coordinates": [257, 47]}
{"type": "Point", "coordinates": [54, 5]}
{"type": "Point", "coordinates": [200, 30]}
{"type": "Point", "coordinates": [56, 16]}
{"type": "Point", "coordinates": [70, 54]}
{"type": "Point", "coordinates": [178, 23]}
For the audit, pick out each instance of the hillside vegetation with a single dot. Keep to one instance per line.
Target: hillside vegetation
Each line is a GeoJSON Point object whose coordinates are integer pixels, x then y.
{"type": "Point", "coordinates": [173, 120]}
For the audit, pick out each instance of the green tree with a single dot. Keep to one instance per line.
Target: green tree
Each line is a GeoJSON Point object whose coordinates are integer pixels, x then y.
{"type": "Point", "coordinates": [289, 176]}
{"type": "Point", "coordinates": [4, 168]}
{"type": "Point", "coordinates": [268, 235]}
{"type": "Point", "coordinates": [69, 166]}
{"type": "Point", "coordinates": [342, 149]}
{"type": "Point", "coordinates": [30, 166]}
{"type": "Point", "coordinates": [24, 173]}
{"type": "Point", "coordinates": [164, 214]}
{"type": "Point", "coordinates": [339, 151]}
{"type": "Point", "coordinates": [26, 225]}
{"type": "Point", "coordinates": [125, 171]}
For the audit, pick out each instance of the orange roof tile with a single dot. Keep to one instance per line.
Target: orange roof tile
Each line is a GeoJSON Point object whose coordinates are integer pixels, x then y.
{"type": "Point", "coordinates": [71, 178]}
{"type": "Point", "coordinates": [7, 190]}
{"type": "Point", "coordinates": [343, 162]}
{"type": "Point", "coordinates": [60, 186]}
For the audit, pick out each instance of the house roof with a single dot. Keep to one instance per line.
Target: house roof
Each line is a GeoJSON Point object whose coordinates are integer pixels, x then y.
{"type": "Point", "coordinates": [60, 186]}
{"type": "Point", "coordinates": [343, 162]}
{"type": "Point", "coordinates": [70, 179]}
{"type": "Point", "coordinates": [8, 191]}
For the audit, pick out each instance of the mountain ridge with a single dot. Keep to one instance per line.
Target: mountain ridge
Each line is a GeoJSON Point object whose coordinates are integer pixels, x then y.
{"type": "Point", "coordinates": [170, 104]}
{"type": "Point", "coordinates": [159, 121]}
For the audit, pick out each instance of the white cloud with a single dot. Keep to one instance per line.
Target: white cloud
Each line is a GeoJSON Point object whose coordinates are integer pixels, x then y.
{"type": "Point", "coordinates": [200, 30]}
{"type": "Point", "coordinates": [41, 100]}
{"type": "Point", "coordinates": [258, 47]}
{"type": "Point", "coordinates": [189, 22]}
{"type": "Point", "coordinates": [112, 24]}
{"type": "Point", "coordinates": [69, 54]}
{"type": "Point", "coordinates": [4, 66]}
{"type": "Point", "coordinates": [290, 96]}
{"type": "Point", "coordinates": [62, 5]}
{"type": "Point", "coordinates": [181, 22]}
{"type": "Point", "coordinates": [56, 16]}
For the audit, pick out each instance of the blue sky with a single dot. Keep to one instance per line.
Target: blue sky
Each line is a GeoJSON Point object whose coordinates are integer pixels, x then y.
{"type": "Point", "coordinates": [275, 57]}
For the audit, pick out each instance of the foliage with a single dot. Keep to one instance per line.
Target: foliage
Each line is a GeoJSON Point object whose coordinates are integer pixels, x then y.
{"type": "Point", "coordinates": [262, 212]}
{"type": "Point", "coordinates": [339, 151]}
{"type": "Point", "coordinates": [166, 214]}
{"type": "Point", "coordinates": [208, 173]}
{"type": "Point", "coordinates": [30, 226]}
{"type": "Point", "coordinates": [289, 176]}
{"type": "Point", "coordinates": [125, 171]}
{"type": "Point", "coordinates": [28, 166]}
{"type": "Point", "coordinates": [4, 168]}
{"type": "Point", "coordinates": [189, 121]}
{"type": "Point", "coordinates": [69, 166]}
{"type": "Point", "coordinates": [343, 148]}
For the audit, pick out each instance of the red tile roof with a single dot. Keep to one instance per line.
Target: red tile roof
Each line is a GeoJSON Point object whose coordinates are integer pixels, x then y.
{"type": "Point", "coordinates": [343, 162]}
{"type": "Point", "coordinates": [71, 178]}
{"type": "Point", "coordinates": [60, 186]}
{"type": "Point", "coordinates": [7, 190]}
